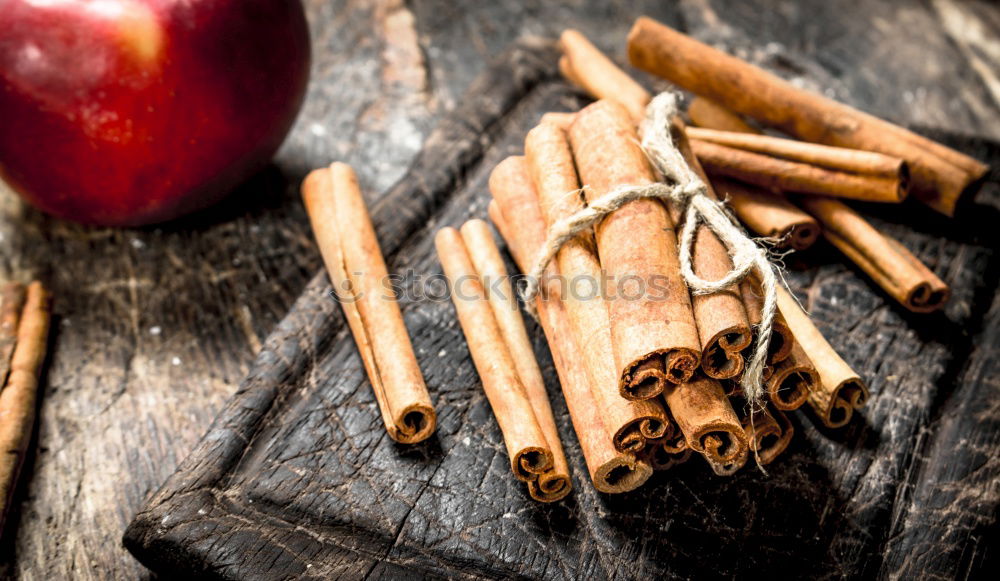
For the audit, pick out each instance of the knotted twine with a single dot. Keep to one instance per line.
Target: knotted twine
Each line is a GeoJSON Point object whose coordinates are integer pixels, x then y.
{"type": "Point", "coordinates": [689, 193]}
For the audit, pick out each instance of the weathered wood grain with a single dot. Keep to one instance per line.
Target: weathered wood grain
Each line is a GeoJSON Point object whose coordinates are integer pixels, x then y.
{"type": "Point", "coordinates": [119, 414]}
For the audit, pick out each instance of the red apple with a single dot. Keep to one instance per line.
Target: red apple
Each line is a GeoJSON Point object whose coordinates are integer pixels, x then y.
{"type": "Point", "coordinates": [129, 112]}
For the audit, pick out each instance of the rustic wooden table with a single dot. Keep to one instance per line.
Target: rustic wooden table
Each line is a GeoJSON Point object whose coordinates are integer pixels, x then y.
{"type": "Point", "coordinates": [157, 326]}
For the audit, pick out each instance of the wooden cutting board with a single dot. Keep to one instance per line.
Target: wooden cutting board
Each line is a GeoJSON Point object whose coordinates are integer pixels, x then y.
{"type": "Point", "coordinates": [297, 478]}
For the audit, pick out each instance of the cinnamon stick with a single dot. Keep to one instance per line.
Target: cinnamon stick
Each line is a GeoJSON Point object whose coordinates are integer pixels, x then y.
{"type": "Point", "coordinates": [661, 457]}
{"type": "Point", "coordinates": [769, 432]}
{"type": "Point", "coordinates": [766, 212]}
{"type": "Point", "coordinates": [20, 391]}
{"type": "Point", "coordinates": [886, 261]}
{"type": "Point", "coordinates": [583, 64]}
{"type": "Point", "coordinates": [527, 447]}
{"type": "Point", "coordinates": [841, 390]}
{"type": "Point", "coordinates": [651, 316]}
{"type": "Point", "coordinates": [939, 174]}
{"type": "Point", "coordinates": [879, 184]}
{"type": "Point", "coordinates": [721, 317]}
{"type": "Point", "coordinates": [769, 214]}
{"type": "Point", "coordinates": [553, 484]}
{"type": "Point", "coordinates": [707, 420]}
{"type": "Point", "coordinates": [553, 172]}
{"type": "Point", "coordinates": [634, 419]}
{"type": "Point", "coordinates": [346, 239]}
{"type": "Point", "coordinates": [11, 301]}
{"type": "Point", "coordinates": [610, 470]}
{"type": "Point", "coordinates": [706, 113]}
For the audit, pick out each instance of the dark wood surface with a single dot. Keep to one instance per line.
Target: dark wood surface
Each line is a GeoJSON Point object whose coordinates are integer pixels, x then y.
{"type": "Point", "coordinates": [159, 326]}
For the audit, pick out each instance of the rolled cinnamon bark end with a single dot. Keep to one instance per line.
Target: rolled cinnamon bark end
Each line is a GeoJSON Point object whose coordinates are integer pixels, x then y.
{"type": "Point", "coordinates": [11, 302]}
{"type": "Point", "coordinates": [769, 433]}
{"type": "Point", "coordinates": [728, 468]}
{"type": "Point", "coordinates": [706, 113]}
{"type": "Point", "coordinates": [584, 65]}
{"type": "Point", "coordinates": [19, 397]}
{"type": "Point", "coordinates": [707, 420]}
{"type": "Point", "coordinates": [527, 447]}
{"type": "Point", "coordinates": [347, 242]}
{"type": "Point", "coordinates": [841, 390]}
{"type": "Point", "coordinates": [939, 174]}
{"type": "Point", "coordinates": [555, 483]}
{"type": "Point", "coordinates": [610, 470]}
{"type": "Point", "coordinates": [794, 378]}
{"type": "Point", "coordinates": [771, 172]}
{"type": "Point", "coordinates": [886, 261]}
{"type": "Point", "coordinates": [660, 457]}
{"type": "Point", "coordinates": [649, 306]}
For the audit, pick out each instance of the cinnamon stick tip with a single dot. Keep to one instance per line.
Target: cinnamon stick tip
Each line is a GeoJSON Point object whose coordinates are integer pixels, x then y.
{"type": "Point", "coordinates": [414, 424]}
{"type": "Point", "coordinates": [550, 487]}
{"type": "Point", "coordinates": [925, 298]}
{"type": "Point", "coordinates": [531, 461]}
{"type": "Point", "coordinates": [790, 388]}
{"type": "Point", "coordinates": [850, 395]}
{"type": "Point", "coordinates": [623, 473]}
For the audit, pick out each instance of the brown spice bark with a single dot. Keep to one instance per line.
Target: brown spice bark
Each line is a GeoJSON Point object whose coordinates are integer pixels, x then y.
{"type": "Point", "coordinates": [553, 484]}
{"type": "Point", "coordinates": [939, 174]}
{"type": "Point", "coordinates": [841, 390]}
{"type": "Point", "coordinates": [346, 239]}
{"type": "Point", "coordinates": [649, 306]}
{"type": "Point", "coordinates": [611, 471]}
{"type": "Point", "coordinates": [886, 261]}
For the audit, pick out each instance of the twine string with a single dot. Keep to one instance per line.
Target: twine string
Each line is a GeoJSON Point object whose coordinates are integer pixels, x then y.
{"type": "Point", "coordinates": [689, 193]}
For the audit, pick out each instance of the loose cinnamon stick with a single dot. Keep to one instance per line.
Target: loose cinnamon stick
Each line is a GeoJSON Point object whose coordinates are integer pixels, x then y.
{"type": "Point", "coordinates": [721, 317]}
{"type": "Point", "coordinates": [771, 172]}
{"type": "Point", "coordinates": [766, 212]}
{"type": "Point", "coordinates": [610, 470]}
{"type": "Point", "coordinates": [707, 420]}
{"type": "Point", "coordinates": [854, 161]}
{"type": "Point", "coordinates": [841, 389]}
{"type": "Point", "coordinates": [637, 248]}
{"type": "Point", "coordinates": [769, 432]}
{"type": "Point", "coordinates": [551, 165]}
{"type": "Point", "coordinates": [706, 113]}
{"type": "Point", "coordinates": [12, 297]}
{"type": "Point", "coordinates": [527, 447]}
{"type": "Point", "coordinates": [583, 64]}
{"type": "Point", "coordinates": [357, 270]}
{"type": "Point", "coordinates": [939, 174]}
{"type": "Point", "coordinates": [793, 379]}
{"type": "Point", "coordinates": [553, 484]}
{"type": "Point", "coordinates": [20, 392]}
{"type": "Point", "coordinates": [889, 263]}
{"type": "Point", "coordinates": [769, 214]}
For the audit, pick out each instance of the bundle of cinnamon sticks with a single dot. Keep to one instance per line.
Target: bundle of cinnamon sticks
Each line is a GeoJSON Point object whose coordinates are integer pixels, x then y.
{"type": "Point", "coordinates": [650, 371]}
